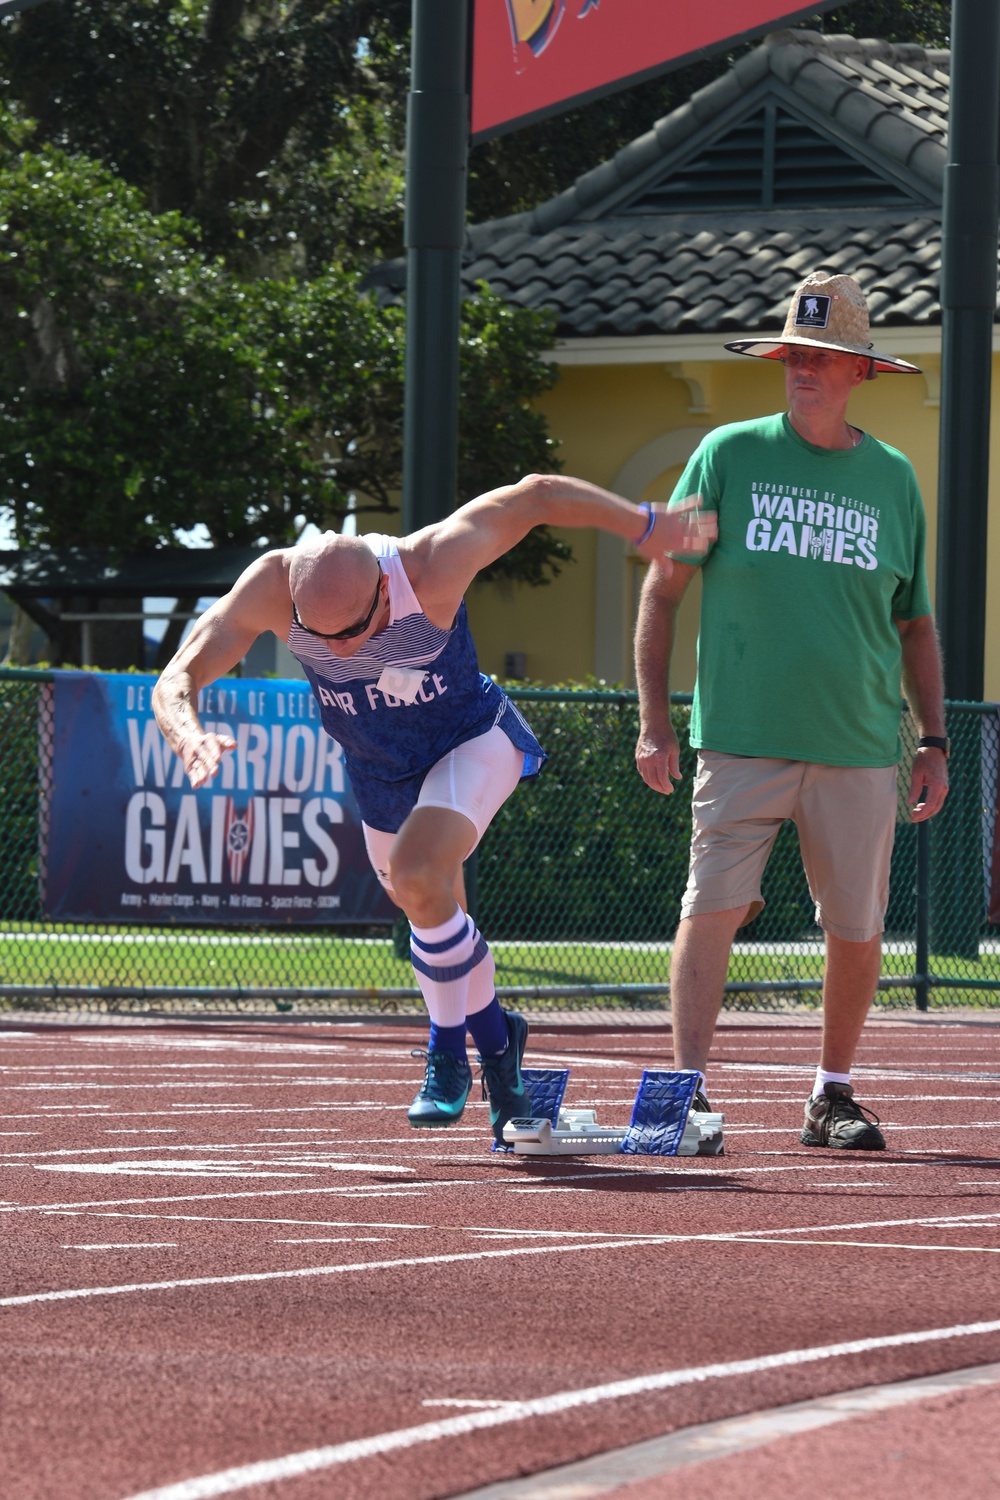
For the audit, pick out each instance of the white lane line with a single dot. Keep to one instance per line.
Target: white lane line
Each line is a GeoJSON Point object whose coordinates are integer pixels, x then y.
{"type": "Point", "coordinates": [158, 1169]}
{"type": "Point", "coordinates": [460, 1401]}
{"type": "Point", "coordinates": [344, 1239]}
{"type": "Point", "coordinates": [288, 1223]}
{"type": "Point", "coordinates": [274, 1146]}
{"type": "Point", "coordinates": [922, 1098]}
{"type": "Point", "coordinates": [870, 1072]}
{"type": "Point", "coordinates": [126, 1068]}
{"type": "Point", "coordinates": [129, 1245]}
{"type": "Point", "coordinates": [133, 1087]}
{"type": "Point", "coordinates": [181, 1110]}
{"type": "Point", "coordinates": [915, 1157]}
{"type": "Point", "coordinates": [70, 1294]}
{"type": "Point", "coordinates": [665, 1187]}
{"type": "Point", "coordinates": [737, 1239]}
{"type": "Point", "coordinates": [351, 1190]}
{"type": "Point", "coordinates": [969, 1221]}
{"type": "Point", "coordinates": [196, 1168]}
{"type": "Point", "coordinates": [314, 1460]}
{"type": "Point", "coordinates": [233, 1067]}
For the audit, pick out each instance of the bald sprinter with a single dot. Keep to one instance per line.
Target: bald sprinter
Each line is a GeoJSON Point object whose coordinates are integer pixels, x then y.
{"type": "Point", "coordinates": [432, 747]}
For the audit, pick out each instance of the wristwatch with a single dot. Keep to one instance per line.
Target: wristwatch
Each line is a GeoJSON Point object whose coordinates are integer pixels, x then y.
{"type": "Point", "coordinates": [935, 742]}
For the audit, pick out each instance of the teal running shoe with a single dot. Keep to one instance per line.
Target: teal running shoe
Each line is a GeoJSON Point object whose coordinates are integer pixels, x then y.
{"type": "Point", "coordinates": [503, 1085]}
{"type": "Point", "coordinates": [446, 1085]}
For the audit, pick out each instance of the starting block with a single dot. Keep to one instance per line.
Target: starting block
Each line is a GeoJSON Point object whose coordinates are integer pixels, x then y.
{"type": "Point", "coordinates": [662, 1123]}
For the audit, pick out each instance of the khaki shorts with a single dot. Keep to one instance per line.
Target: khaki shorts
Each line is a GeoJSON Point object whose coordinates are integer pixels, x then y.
{"type": "Point", "coordinates": [846, 821]}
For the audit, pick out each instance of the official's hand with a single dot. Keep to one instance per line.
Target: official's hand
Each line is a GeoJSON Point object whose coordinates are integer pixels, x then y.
{"type": "Point", "coordinates": [658, 760]}
{"type": "Point", "coordinates": [685, 529]}
{"type": "Point", "coordinates": [202, 756]}
{"type": "Point", "coordinates": [928, 783]}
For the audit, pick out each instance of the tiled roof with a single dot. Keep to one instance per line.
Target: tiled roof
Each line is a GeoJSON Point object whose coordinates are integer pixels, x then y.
{"type": "Point", "coordinates": [706, 273]}
{"type": "Point", "coordinates": [607, 261]}
{"type": "Point", "coordinates": [889, 98]}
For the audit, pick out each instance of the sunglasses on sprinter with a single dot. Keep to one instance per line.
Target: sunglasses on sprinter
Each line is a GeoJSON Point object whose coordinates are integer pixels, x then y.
{"type": "Point", "coordinates": [352, 630]}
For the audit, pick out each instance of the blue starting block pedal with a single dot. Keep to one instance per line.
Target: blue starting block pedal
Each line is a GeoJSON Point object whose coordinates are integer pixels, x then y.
{"type": "Point", "coordinates": [662, 1105]}
{"type": "Point", "coordinates": [545, 1088]}
{"type": "Point", "coordinates": [662, 1123]}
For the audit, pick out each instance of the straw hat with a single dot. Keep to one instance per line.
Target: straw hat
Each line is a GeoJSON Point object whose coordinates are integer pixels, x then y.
{"type": "Point", "coordinates": [827, 312]}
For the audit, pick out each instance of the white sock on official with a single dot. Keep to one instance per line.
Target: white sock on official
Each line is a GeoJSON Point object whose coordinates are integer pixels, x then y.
{"type": "Point", "coordinates": [822, 1076]}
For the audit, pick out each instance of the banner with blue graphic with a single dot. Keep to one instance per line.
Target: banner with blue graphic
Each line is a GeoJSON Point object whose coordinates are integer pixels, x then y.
{"type": "Point", "coordinates": [275, 838]}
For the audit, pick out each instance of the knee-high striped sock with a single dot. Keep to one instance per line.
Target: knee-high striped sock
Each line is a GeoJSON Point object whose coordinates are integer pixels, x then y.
{"type": "Point", "coordinates": [486, 1020]}
{"type": "Point", "coordinates": [442, 959]}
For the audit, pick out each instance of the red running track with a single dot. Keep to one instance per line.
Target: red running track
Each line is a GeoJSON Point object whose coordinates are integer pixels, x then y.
{"type": "Point", "coordinates": [230, 1267]}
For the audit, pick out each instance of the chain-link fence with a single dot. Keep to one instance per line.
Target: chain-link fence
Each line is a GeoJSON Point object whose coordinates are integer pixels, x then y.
{"type": "Point", "coordinates": [577, 886]}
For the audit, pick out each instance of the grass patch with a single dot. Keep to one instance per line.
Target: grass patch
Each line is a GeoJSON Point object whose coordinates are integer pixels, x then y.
{"type": "Point", "coordinates": [155, 959]}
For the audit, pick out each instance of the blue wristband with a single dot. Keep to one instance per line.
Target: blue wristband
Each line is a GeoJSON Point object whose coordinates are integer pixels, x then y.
{"type": "Point", "coordinates": [650, 523]}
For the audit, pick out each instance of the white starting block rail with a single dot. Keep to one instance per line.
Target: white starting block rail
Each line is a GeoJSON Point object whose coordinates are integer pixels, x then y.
{"type": "Point", "coordinates": [662, 1124]}
{"type": "Point", "coordinates": [577, 1131]}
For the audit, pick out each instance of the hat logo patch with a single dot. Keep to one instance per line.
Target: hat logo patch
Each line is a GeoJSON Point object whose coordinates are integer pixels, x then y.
{"type": "Point", "coordinates": [813, 310]}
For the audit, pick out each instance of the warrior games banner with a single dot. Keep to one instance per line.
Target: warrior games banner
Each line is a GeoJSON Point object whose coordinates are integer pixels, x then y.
{"type": "Point", "coordinates": [275, 838]}
{"type": "Point", "coordinates": [532, 58]}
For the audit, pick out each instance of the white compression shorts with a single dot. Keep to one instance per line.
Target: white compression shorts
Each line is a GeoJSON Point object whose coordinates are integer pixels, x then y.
{"type": "Point", "coordinates": [474, 779]}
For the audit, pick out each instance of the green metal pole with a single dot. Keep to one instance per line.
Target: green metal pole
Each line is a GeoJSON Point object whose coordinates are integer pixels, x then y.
{"type": "Point", "coordinates": [437, 143]}
{"type": "Point", "coordinates": [437, 150]}
{"type": "Point", "coordinates": [968, 308]}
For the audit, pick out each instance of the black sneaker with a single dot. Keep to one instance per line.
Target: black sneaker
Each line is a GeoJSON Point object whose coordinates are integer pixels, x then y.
{"type": "Point", "coordinates": [446, 1085]}
{"type": "Point", "coordinates": [836, 1119]}
{"type": "Point", "coordinates": [699, 1104]}
{"type": "Point", "coordinates": [503, 1085]}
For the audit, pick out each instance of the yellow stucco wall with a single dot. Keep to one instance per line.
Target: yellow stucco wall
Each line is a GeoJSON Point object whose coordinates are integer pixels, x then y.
{"type": "Point", "coordinates": [553, 625]}
{"type": "Point", "coordinates": [605, 414]}
{"type": "Point", "coordinates": [602, 416]}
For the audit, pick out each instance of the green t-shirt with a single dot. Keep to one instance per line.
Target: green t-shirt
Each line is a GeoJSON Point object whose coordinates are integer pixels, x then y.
{"type": "Point", "coordinates": [819, 551]}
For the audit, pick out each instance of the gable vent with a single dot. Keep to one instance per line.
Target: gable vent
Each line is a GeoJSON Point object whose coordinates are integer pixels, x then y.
{"type": "Point", "coordinates": [770, 159]}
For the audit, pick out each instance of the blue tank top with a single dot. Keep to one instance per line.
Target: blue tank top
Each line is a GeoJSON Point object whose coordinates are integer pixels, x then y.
{"type": "Point", "coordinates": [391, 743]}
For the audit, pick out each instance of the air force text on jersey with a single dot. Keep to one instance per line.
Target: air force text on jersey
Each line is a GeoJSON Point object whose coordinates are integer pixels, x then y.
{"type": "Point", "coordinates": [431, 687]}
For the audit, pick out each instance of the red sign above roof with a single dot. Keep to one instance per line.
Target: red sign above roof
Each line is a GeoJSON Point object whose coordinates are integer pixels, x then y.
{"type": "Point", "coordinates": [533, 58]}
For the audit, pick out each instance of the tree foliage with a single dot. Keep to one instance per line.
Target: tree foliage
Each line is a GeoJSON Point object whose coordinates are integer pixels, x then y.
{"type": "Point", "coordinates": [277, 127]}
{"type": "Point", "coordinates": [145, 385]}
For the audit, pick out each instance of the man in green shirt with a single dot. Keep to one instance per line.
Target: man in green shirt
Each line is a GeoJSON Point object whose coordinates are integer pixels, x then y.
{"type": "Point", "coordinates": [814, 614]}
